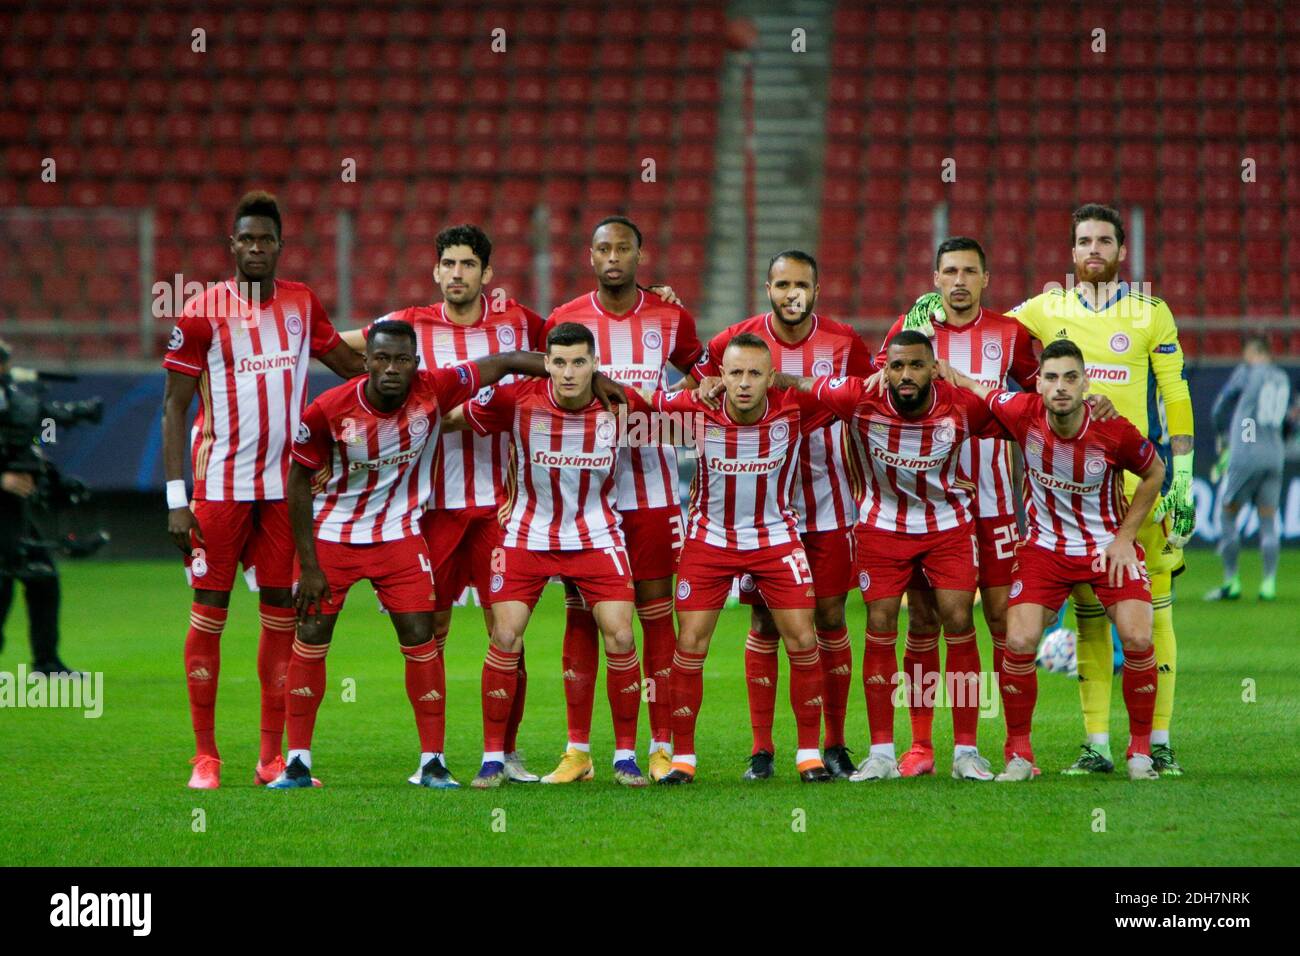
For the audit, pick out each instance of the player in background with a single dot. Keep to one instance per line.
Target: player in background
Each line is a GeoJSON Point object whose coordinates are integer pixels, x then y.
{"type": "Point", "coordinates": [244, 346]}
{"type": "Point", "coordinates": [802, 342]}
{"type": "Point", "coordinates": [638, 336]}
{"type": "Point", "coordinates": [1128, 338]}
{"type": "Point", "coordinates": [362, 461]}
{"type": "Point", "coordinates": [990, 348]}
{"type": "Point", "coordinates": [1251, 411]}
{"type": "Point", "coordinates": [1080, 530]}
{"type": "Point", "coordinates": [460, 524]}
{"type": "Point", "coordinates": [915, 518]}
{"type": "Point", "coordinates": [560, 521]}
{"type": "Point", "coordinates": [742, 522]}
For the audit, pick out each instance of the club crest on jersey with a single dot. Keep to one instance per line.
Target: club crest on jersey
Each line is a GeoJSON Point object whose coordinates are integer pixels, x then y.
{"type": "Point", "coordinates": [293, 324]}
{"type": "Point", "coordinates": [714, 433]}
{"type": "Point", "coordinates": [879, 428]}
{"type": "Point", "coordinates": [1119, 342]}
{"type": "Point", "coordinates": [651, 339]}
{"type": "Point", "coordinates": [683, 590]}
{"type": "Point", "coordinates": [304, 434]}
{"type": "Point", "coordinates": [822, 367]}
{"type": "Point", "coordinates": [747, 582]}
{"type": "Point", "coordinates": [419, 424]}
{"type": "Point", "coordinates": [945, 432]}
{"type": "Point", "coordinates": [506, 337]}
{"type": "Point", "coordinates": [780, 431]}
{"type": "Point", "coordinates": [498, 582]}
{"type": "Point", "coordinates": [541, 426]}
{"type": "Point", "coordinates": [176, 339]}
{"type": "Point", "coordinates": [864, 581]}
{"type": "Point", "coordinates": [1094, 466]}
{"type": "Point", "coordinates": [606, 430]}
{"type": "Point", "coordinates": [1034, 447]}
{"type": "Point", "coordinates": [992, 351]}
{"type": "Point", "coordinates": [1016, 588]}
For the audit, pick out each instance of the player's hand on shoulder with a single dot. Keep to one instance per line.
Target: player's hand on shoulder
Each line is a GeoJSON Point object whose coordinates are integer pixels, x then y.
{"type": "Point", "coordinates": [875, 383]}
{"type": "Point", "coordinates": [607, 391]}
{"type": "Point", "coordinates": [180, 522]}
{"type": "Point", "coordinates": [1103, 409]}
{"type": "Point", "coordinates": [710, 390]}
{"type": "Point", "coordinates": [666, 293]}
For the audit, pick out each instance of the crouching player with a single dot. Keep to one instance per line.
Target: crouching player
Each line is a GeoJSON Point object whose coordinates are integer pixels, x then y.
{"type": "Point", "coordinates": [741, 523]}
{"type": "Point", "coordinates": [1078, 533]}
{"type": "Point", "coordinates": [357, 486]}
{"type": "Point", "coordinates": [560, 521]}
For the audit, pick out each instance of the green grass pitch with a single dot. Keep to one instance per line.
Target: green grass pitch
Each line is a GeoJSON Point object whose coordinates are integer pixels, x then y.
{"type": "Point", "coordinates": [80, 791]}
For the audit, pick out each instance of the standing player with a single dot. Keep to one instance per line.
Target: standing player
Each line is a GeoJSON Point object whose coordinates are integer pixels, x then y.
{"type": "Point", "coordinates": [1252, 409]}
{"type": "Point", "coordinates": [362, 460]}
{"type": "Point", "coordinates": [460, 523]}
{"type": "Point", "coordinates": [914, 518]}
{"type": "Point", "coordinates": [560, 521]}
{"type": "Point", "coordinates": [637, 337]}
{"type": "Point", "coordinates": [244, 346]}
{"type": "Point", "coordinates": [989, 347]}
{"type": "Point", "coordinates": [824, 496]}
{"type": "Point", "coordinates": [1127, 338]}
{"type": "Point", "coordinates": [1080, 530]}
{"type": "Point", "coordinates": [742, 522]}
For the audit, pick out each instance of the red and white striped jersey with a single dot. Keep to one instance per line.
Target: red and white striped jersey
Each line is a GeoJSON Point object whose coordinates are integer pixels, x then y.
{"type": "Point", "coordinates": [989, 349]}
{"type": "Point", "coordinates": [372, 468]}
{"type": "Point", "coordinates": [561, 487]}
{"type": "Point", "coordinates": [252, 372]}
{"type": "Point", "coordinates": [830, 472]}
{"type": "Point", "coordinates": [912, 469]}
{"type": "Point", "coordinates": [469, 471]}
{"type": "Point", "coordinates": [634, 349]}
{"type": "Point", "coordinates": [744, 477]}
{"type": "Point", "coordinates": [1074, 487]}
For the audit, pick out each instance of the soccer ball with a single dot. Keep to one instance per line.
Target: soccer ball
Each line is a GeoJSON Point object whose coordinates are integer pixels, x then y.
{"type": "Point", "coordinates": [1056, 654]}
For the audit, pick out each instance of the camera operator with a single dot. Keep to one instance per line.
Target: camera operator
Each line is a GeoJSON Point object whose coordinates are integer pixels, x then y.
{"type": "Point", "coordinates": [20, 558]}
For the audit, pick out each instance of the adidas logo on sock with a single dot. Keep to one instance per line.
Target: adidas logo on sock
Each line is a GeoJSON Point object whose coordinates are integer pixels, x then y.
{"type": "Point", "coordinates": [200, 673]}
{"type": "Point", "coordinates": [1164, 669]}
{"type": "Point", "coordinates": [664, 674]}
{"type": "Point", "coordinates": [815, 702]}
{"type": "Point", "coordinates": [1010, 689]}
{"type": "Point", "coordinates": [498, 694]}
{"type": "Point", "coordinates": [682, 712]}
{"type": "Point", "coordinates": [634, 688]}
{"type": "Point", "coordinates": [877, 679]}
{"type": "Point", "coordinates": [760, 681]}
{"type": "Point", "coordinates": [302, 692]}
{"type": "Point", "coordinates": [570, 674]}
{"type": "Point", "coordinates": [844, 670]}
{"type": "Point", "coordinates": [432, 695]}
{"type": "Point", "coordinates": [1145, 689]}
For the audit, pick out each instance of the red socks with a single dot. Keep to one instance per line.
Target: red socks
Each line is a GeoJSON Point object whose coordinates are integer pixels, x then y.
{"type": "Point", "coordinates": [274, 646]}
{"type": "Point", "coordinates": [837, 671]}
{"type": "Point", "coordinates": [426, 689]}
{"type": "Point", "coordinates": [623, 686]}
{"type": "Point", "coordinates": [879, 665]}
{"type": "Point", "coordinates": [961, 682]}
{"type": "Point", "coordinates": [581, 655]}
{"type": "Point", "coordinates": [306, 687]}
{"type": "Point", "coordinates": [686, 693]}
{"type": "Point", "coordinates": [517, 710]}
{"type": "Point", "coordinates": [999, 648]}
{"type": "Point", "coordinates": [1019, 694]}
{"type": "Point", "coordinates": [500, 679]}
{"type": "Point", "coordinates": [807, 696]}
{"type": "Point", "coordinates": [1140, 682]}
{"type": "Point", "coordinates": [659, 640]}
{"type": "Point", "coordinates": [760, 679]}
{"type": "Point", "coordinates": [921, 669]}
{"type": "Point", "coordinates": [202, 665]}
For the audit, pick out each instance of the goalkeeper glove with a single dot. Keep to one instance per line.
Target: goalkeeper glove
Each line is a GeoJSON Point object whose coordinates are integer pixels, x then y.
{"type": "Point", "coordinates": [1178, 503]}
{"type": "Point", "coordinates": [927, 307]}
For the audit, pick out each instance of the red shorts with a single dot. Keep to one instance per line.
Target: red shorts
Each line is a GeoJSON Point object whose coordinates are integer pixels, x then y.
{"type": "Point", "coordinates": [997, 539]}
{"type": "Point", "coordinates": [1046, 578]}
{"type": "Point", "coordinates": [830, 558]}
{"type": "Point", "coordinates": [778, 573]}
{"type": "Point", "coordinates": [400, 572]}
{"type": "Point", "coordinates": [461, 542]}
{"type": "Point", "coordinates": [654, 540]}
{"type": "Point", "coordinates": [519, 574]}
{"type": "Point", "coordinates": [254, 533]}
{"type": "Point", "coordinates": [889, 562]}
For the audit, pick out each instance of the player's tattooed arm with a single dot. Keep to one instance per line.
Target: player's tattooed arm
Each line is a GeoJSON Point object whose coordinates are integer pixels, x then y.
{"type": "Point", "coordinates": [344, 361]}
{"type": "Point", "coordinates": [1121, 555]}
{"type": "Point", "coordinates": [312, 586]}
{"type": "Point", "coordinates": [177, 395]}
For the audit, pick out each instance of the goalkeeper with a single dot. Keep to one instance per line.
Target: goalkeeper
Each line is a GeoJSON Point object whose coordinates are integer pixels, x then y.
{"type": "Point", "coordinates": [1125, 335]}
